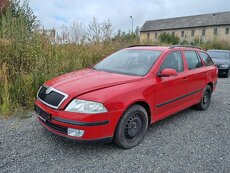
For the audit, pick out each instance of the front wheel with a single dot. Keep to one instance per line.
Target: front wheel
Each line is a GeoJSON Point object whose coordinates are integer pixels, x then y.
{"type": "Point", "coordinates": [131, 127]}
{"type": "Point", "coordinates": [206, 98]}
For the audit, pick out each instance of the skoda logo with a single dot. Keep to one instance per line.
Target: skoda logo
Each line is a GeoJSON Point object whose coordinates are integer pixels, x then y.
{"type": "Point", "coordinates": [48, 90]}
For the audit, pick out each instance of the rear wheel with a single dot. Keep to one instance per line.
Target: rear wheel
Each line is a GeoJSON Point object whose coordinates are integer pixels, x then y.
{"type": "Point", "coordinates": [131, 127]}
{"type": "Point", "coordinates": [206, 98]}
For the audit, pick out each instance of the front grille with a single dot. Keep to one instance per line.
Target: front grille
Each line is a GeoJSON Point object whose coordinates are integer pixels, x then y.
{"type": "Point", "coordinates": [53, 98]}
{"type": "Point", "coordinates": [224, 71]}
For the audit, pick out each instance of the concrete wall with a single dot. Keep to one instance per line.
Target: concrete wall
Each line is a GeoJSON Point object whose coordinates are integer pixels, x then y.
{"type": "Point", "coordinates": [209, 34]}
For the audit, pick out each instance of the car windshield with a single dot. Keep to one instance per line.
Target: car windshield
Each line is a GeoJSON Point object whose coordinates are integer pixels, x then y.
{"type": "Point", "coordinates": [218, 54]}
{"type": "Point", "coordinates": [129, 62]}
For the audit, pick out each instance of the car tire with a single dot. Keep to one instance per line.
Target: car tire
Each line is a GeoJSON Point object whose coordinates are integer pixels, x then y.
{"type": "Point", "coordinates": [206, 98]}
{"type": "Point", "coordinates": [131, 127]}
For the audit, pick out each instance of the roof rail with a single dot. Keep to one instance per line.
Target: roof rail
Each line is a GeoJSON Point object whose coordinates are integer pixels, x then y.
{"type": "Point", "coordinates": [141, 45]}
{"type": "Point", "coordinates": [188, 46]}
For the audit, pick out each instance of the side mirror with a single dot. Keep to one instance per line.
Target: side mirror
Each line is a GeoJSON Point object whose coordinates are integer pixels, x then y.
{"type": "Point", "coordinates": [167, 72]}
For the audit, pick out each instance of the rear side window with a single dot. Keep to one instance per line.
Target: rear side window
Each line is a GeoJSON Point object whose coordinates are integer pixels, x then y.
{"type": "Point", "coordinates": [173, 61]}
{"type": "Point", "coordinates": [207, 60]}
{"type": "Point", "coordinates": [192, 59]}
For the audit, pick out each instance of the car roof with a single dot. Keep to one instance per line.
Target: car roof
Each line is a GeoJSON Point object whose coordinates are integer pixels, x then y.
{"type": "Point", "coordinates": [157, 48]}
{"type": "Point", "coordinates": [218, 50]}
{"type": "Point", "coordinates": [162, 48]}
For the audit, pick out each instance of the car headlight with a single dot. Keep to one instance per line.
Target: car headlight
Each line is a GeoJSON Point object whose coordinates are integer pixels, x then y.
{"type": "Point", "coordinates": [224, 66]}
{"type": "Point", "coordinates": [84, 106]}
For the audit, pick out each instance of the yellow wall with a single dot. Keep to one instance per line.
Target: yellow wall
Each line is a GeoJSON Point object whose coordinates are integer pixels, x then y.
{"type": "Point", "coordinates": [209, 34]}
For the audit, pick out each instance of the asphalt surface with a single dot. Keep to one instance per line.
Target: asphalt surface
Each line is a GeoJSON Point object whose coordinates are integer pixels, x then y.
{"type": "Point", "coordinates": [189, 141]}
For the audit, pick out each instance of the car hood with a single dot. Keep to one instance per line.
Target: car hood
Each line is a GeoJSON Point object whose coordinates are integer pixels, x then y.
{"type": "Point", "coordinates": [87, 80]}
{"type": "Point", "coordinates": [219, 61]}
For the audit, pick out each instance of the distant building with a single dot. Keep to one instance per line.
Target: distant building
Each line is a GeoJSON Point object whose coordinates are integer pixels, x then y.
{"type": "Point", "coordinates": [202, 27]}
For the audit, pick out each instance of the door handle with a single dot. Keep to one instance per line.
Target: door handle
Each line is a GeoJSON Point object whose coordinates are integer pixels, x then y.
{"type": "Point", "coordinates": [185, 78]}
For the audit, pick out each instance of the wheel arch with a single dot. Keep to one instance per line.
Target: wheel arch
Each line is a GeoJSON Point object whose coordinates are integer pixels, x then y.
{"type": "Point", "coordinates": [145, 105]}
{"type": "Point", "coordinates": [211, 85]}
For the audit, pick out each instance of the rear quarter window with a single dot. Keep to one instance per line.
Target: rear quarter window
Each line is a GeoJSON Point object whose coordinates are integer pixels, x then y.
{"type": "Point", "coordinates": [207, 60]}
{"type": "Point", "coordinates": [193, 60]}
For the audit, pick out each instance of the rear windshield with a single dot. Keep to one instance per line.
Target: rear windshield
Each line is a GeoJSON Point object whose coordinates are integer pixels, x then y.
{"type": "Point", "coordinates": [218, 54]}
{"type": "Point", "coordinates": [129, 62]}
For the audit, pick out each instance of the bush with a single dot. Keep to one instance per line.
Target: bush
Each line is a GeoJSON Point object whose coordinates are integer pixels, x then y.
{"type": "Point", "coordinates": [166, 38]}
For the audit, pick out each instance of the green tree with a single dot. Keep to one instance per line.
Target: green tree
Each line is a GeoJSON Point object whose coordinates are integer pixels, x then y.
{"type": "Point", "coordinates": [20, 10]}
{"type": "Point", "coordinates": [129, 36]}
{"type": "Point", "coordinates": [167, 38]}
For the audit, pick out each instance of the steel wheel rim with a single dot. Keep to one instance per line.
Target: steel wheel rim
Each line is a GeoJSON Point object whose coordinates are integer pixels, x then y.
{"type": "Point", "coordinates": [206, 97]}
{"type": "Point", "coordinates": [133, 126]}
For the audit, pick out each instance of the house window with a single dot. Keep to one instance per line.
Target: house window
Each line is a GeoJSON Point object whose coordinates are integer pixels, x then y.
{"type": "Point", "coordinates": [155, 34]}
{"type": "Point", "coordinates": [215, 31]}
{"type": "Point", "coordinates": [173, 33]}
{"type": "Point", "coordinates": [192, 33]}
{"type": "Point", "coordinates": [148, 36]}
{"type": "Point", "coordinates": [182, 33]}
{"type": "Point", "coordinates": [203, 32]}
{"type": "Point", "coordinates": [226, 31]}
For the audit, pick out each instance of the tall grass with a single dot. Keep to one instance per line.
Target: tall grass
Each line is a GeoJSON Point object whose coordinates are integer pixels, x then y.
{"type": "Point", "coordinates": [26, 66]}
{"type": "Point", "coordinates": [27, 60]}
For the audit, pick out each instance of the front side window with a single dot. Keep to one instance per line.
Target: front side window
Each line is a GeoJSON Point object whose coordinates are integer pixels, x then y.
{"type": "Point", "coordinates": [192, 59]}
{"type": "Point", "coordinates": [207, 60]}
{"type": "Point", "coordinates": [129, 62]}
{"type": "Point", "coordinates": [174, 61]}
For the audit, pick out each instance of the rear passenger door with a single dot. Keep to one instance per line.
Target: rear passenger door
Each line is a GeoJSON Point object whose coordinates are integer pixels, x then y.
{"type": "Point", "coordinates": [196, 75]}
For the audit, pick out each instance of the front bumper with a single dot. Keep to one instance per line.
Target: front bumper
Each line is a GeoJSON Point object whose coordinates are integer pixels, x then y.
{"type": "Point", "coordinates": [96, 126]}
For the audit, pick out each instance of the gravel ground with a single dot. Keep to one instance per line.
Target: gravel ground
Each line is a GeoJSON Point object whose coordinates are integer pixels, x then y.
{"type": "Point", "coordinates": [190, 141]}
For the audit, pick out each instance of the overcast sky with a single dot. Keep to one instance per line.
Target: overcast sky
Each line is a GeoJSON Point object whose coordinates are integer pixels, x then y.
{"type": "Point", "coordinates": [55, 13]}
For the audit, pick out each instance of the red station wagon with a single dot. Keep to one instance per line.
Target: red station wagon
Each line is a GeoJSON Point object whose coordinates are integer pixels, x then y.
{"type": "Point", "coordinates": [119, 97]}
